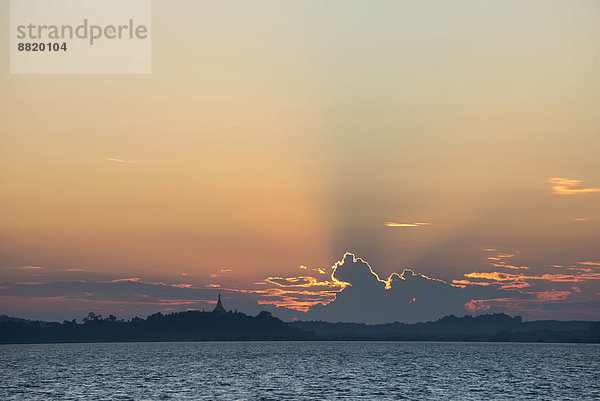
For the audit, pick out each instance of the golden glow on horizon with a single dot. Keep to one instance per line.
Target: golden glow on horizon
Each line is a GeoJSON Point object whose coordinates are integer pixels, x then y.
{"type": "Point", "coordinates": [302, 292]}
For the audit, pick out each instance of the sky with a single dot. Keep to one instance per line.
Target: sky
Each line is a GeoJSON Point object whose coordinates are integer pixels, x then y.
{"type": "Point", "coordinates": [295, 155]}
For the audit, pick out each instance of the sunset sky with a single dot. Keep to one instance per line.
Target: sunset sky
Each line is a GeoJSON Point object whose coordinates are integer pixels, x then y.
{"type": "Point", "coordinates": [459, 140]}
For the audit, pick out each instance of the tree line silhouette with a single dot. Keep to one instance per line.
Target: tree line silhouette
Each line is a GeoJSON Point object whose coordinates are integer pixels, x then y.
{"type": "Point", "coordinates": [236, 326]}
{"type": "Point", "coordinates": [179, 326]}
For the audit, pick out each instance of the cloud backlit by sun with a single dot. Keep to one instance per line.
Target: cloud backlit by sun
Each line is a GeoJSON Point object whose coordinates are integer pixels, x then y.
{"type": "Point", "coordinates": [351, 291]}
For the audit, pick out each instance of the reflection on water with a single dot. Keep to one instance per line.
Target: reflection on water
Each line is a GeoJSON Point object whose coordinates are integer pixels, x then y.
{"type": "Point", "coordinates": [299, 370]}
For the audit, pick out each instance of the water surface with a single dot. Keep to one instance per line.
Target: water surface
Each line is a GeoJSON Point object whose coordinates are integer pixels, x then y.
{"type": "Point", "coordinates": [300, 371]}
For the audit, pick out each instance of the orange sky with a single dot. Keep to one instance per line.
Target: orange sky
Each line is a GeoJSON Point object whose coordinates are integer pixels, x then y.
{"type": "Point", "coordinates": [274, 135]}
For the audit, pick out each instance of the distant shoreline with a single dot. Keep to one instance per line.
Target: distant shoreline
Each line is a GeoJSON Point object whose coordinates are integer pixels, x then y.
{"type": "Point", "coordinates": [223, 326]}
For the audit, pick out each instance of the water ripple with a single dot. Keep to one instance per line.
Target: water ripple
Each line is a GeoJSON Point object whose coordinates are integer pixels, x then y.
{"type": "Point", "coordinates": [300, 371]}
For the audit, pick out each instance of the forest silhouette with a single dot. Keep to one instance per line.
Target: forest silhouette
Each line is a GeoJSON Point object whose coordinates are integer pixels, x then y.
{"type": "Point", "coordinates": [236, 326]}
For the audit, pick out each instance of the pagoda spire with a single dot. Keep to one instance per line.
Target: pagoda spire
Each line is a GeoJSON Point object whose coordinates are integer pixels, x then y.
{"type": "Point", "coordinates": [219, 308]}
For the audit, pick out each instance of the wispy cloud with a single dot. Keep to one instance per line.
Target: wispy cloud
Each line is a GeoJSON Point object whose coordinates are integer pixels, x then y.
{"type": "Point", "coordinates": [515, 285]}
{"type": "Point", "coordinates": [501, 256]}
{"type": "Point", "coordinates": [500, 276]}
{"type": "Point", "coordinates": [394, 224]}
{"type": "Point", "coordinates": [304, 281]}
{"type": "Point", "coordinates": [30, 267]}
{"type": "Point", "coordinates": [566, 186]}
{"type": "Point", "coordinates": [467, 282]}
{"type": "Point", "coordinates": [506, 265]}
{"type": "Point", "coordinates": [182, 285]}
{"type": "Point", "coordinates": [133, 279]}
{"type": "Point", "coordinates": [498, 260]}
{"type": "Point", "coordinates": [597, 264]}
{"type": "Point", "coordinates": [520, 305]}
{"type": "Point", "coordinates": [552, 295]}
{"type": "Point", "coordinates": [113, 159]}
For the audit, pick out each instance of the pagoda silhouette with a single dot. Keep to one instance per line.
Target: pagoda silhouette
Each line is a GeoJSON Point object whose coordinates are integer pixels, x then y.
{"type": "Point", "coordinates": [219, 308]}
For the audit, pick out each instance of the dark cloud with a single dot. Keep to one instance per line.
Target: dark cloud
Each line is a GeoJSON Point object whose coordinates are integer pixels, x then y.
{"type": "Point", "coordinates": [353, 292]}
{"type": "Point", "coordinates": [411, 297]}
